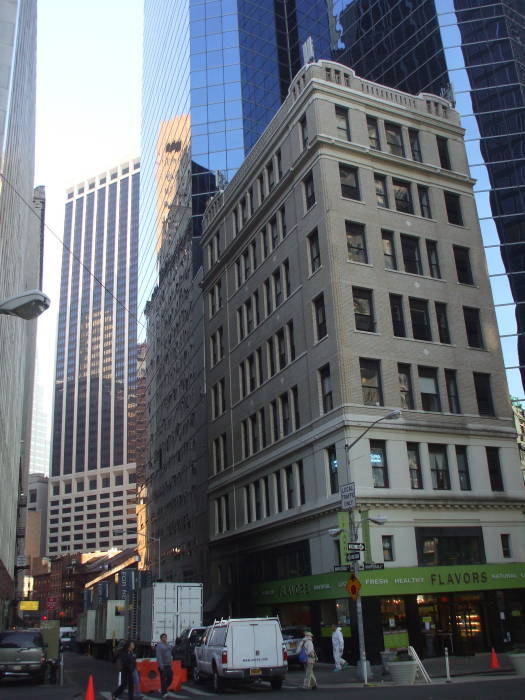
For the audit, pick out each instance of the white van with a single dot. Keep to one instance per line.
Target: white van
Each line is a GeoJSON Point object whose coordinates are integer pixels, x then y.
{"type": "Point", "coordinates": [242, 650]}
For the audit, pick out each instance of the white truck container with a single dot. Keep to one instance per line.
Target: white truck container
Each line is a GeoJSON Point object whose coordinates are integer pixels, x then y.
{"type": "Point", "coordinates": [109, 621]}
{"type": "Point", "coordinates": [86, 626]}
{"type": "Point", "coordinates": [168, 608]}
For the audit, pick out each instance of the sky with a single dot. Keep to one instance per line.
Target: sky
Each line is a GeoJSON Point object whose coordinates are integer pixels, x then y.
{"type": "Point", "coordinates": [89, 73]}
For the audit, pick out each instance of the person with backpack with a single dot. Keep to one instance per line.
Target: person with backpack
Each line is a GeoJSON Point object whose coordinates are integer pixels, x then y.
{"type": "Point", "coordinates": [308, 652]}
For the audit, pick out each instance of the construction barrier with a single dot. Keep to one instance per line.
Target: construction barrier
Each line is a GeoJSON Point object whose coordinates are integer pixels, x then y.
{"type": "Point", "coordinates": [150, 677]}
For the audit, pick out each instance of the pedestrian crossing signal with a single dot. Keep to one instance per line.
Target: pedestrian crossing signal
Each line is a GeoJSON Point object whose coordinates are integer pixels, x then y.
{"type": "Point", "coordinates": [353, 587]}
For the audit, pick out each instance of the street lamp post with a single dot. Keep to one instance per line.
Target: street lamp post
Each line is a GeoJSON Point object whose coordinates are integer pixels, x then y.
{"type": "Point", "coordinates": [392, 415]}
{"type": "Point", "coordinates": [27, 305]}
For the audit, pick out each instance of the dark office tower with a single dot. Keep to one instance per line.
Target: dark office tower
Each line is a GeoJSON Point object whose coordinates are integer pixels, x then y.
{"type": "Point", "coordinates": [93, 469]}
{"type": "Point", "coordinates": [215, 73]}
{"type": "Point", "coordinates": [471, 51]}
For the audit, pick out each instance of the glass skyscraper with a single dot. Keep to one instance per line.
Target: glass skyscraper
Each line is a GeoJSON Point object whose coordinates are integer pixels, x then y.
{"type": "Point", "coordinates": [93, 452]}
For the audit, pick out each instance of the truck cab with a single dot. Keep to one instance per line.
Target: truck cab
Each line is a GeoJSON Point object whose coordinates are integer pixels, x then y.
{"type": "Point", "coordinates": [241, 650]}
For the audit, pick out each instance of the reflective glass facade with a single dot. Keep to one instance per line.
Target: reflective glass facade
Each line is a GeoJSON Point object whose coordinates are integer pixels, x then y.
{"type": "Point", "coordinates": [471, 51]}
{"type": "Point", "coordinates": [96, 364]}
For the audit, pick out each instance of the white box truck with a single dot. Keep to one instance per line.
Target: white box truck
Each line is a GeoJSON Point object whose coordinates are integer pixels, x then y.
{"type": "Point", "coordinates": [168, 608]}
{"type": "Point", "coordinates": [109, 627]}
{"type": "Point", "coordinates": [86, 626]}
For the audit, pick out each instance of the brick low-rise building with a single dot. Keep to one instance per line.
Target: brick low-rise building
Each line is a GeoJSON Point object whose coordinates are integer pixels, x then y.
{"type": "Point", "coordinates": [345, 278]}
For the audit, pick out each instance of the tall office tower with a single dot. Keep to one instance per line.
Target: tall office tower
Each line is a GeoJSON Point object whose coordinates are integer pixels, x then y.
{"type": "Point", "coordinates": [351, 288]}
{"type": "Point", "coordinates": [214, 76]}
{"type": "Point", "coordinates": [93, 469]}
{"type": "Point", "coordinates": [471, 52]}
{"type": "Point", "coordinates": [19, 269]}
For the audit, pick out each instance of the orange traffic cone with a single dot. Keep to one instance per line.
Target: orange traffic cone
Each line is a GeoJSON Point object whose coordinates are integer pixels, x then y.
{"type": "Point", "coordinates": [494, 663]}
{"type": "Point", "coordinates": [90, 692]}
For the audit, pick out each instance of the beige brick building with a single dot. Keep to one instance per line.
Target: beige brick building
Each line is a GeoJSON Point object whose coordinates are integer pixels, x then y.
{"type": "Point", "coordinates": [344, 278]}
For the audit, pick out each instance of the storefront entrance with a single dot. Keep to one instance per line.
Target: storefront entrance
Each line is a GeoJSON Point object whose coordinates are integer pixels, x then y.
{"type": "Point", "coordinates": [455, 621]}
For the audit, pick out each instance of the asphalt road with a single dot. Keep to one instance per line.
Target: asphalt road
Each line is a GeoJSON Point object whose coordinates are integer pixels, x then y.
{"type": "Point", "coordinates": [78, 668]}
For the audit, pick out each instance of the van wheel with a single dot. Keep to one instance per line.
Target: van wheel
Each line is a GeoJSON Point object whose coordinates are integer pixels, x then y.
{"type": "Point", "coordinates": [218, 682]}
{"type": "Point", "coordinates": [276, 683]}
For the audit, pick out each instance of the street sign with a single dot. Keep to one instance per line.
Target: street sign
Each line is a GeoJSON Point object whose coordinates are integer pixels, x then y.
{"type": "Point", "coordinates": [371, 565]}
{"type": "Point", "coordinates": [347, 492]}
{"type": "Point", "coordinates": [342, 567]}
{"type": "Point", "coordinates": [356, 546]}
{"type": "Point", "coordinates": [353, 556]}
{"type": "Point", "coordinates": [21, 561]}
{"type": "Point", "coordinates": [51, 604]}
{"type": "Point", "coordinates": [353, 586]}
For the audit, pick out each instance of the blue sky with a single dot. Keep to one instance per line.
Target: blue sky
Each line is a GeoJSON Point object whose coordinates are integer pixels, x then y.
{"type": "Point", "coordinates": [89, 71]}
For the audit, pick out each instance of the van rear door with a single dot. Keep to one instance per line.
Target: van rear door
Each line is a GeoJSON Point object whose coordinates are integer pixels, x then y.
{"type": "Point", "coordinates": [255, 644]}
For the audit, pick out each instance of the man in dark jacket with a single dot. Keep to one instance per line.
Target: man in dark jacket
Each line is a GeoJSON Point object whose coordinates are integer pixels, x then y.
{"type": "Point", "coordinates": [128, 665]}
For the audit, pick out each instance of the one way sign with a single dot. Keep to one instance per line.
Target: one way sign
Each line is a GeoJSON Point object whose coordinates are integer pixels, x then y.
{"type": "Point", "coordinates": [356, 546]}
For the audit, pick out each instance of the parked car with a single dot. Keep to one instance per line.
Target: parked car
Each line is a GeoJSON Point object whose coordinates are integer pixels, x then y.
{"type": "Point", "coordinates": [185, 644]}
{"type": "Point", "coordinates": [241, 650]}
{"type": "Point", "coordinates": [23, 654]}
{"type": "Point", "coordinates": [293, 638]}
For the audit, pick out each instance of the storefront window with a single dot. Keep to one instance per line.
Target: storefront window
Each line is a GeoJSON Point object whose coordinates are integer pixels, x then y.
{"type": "Point", "coordinates": [394, 623]}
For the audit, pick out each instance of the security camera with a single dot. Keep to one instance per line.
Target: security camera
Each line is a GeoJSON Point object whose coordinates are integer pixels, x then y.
{"type": "Point", "coordinates": [335, 531]}
{"type": "Point", "coordinates": [379, 520]}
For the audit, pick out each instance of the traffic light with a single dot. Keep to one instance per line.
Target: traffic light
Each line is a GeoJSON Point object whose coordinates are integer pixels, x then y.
{"type": "Point", "coordinates": [44, 617]}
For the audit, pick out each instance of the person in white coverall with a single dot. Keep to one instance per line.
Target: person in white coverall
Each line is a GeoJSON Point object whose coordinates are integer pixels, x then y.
{"type": "Point", "coordinates": [338, 645]}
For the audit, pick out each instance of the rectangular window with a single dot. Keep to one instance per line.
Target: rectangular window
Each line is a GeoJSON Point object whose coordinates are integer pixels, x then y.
{"type": "Point", "coordinates": [398, 321]}
{"type": "Point", "coordinates": [295, 408]}
{"type": "Point", "coordinates": [363, 309]}
{"type": "Point", "coordinates": [463, 268]}
{"type": "Point", "coordinates": [342, 122]}
{"type": "Point", "coordinates": [291, 340]}
{"type": "Point", "coordinates": [320, 317]}
{"type": "Point", "coordinates": [281, 348]}
{"type": "Point", "coordinates": [388, 547]}
{"type": "Point", "coordinates": [428, 386]}
{"type": "Point", "coordinates": [270, 172]}
{"type": "Point", "coordinates": [444, 156]}
{"type": "Point", "coordinates": [453, 207]}
{"type": "Point", "coordinates": [420, 319]}
{"type": "Point", "coordinates": [275, 421]}
{"type": "Point", "coordinates": [483, 394]}
{"type": "Point", "coordinates": [433, 260]}
{"type": "Point", "coordinates": [290, 491]}
{"type": "Point", "coordinates": [415, 147]}
{"type": "Point", "coordinates": [414, 466]}
{"type": "Point", "coordinates": [494, 466]}
{"type": "Point", "coordinates": [271, 357]}
{"type": "Point", "coordinates": [381, 191]}
{"type": "Point", "coordinates": [313, 251]}
{"type": "Point", "coordinates": [394, 139]}
{"type": "Point", "coordinates": [473, 327]}
{"type": "Point", "coordinates": [277, 287]}
{"type": "Point", "coordinates": [442, 322]}
{"type": "Point", "coordinates": [505, 546]}
{"type": "Point", "coordinates": [285, 413]}
{"type": "Point", "coordinates": [333, 469]}
{"type": "Point", "coordinates": [452, 391]}
{"type": "Point", "coordinates": [424, 202]}
{"type": "Point", "coordinates": [349, 181]}
{"type": "Point", "coordinates": [282, 222]}
{"type": "Point", "coordinates": [355, 242]}
{"type": "Point", "coordinates": [463, 470]}
{"type": "Point", "coordinates": [265, 241]}
{"type": "Point", "coordinates": [371, 382]}
{"type": "Point", "coordinates": [304, 132]}
{"type": "Point", "coordinates": [403, 196]}
{"type": "Point", "coordinates": [309, 191]}
{"type": "Point", "coordinates": [279, 161]}
{"type": "Point", "coordinates": [274, 232]}
{"type": "Point", "coordinates": [439, 467]}
{"type": "Point", "coordinates": [389, 251]}
{"type": "Point", "coordinates": [325, 380]}
{"type": "Point", "coordinates": [373, 133]}
{"type": "Point", "coordinates": [378, 463]}
{"type": "Point", "coordinates": [411, 254]}
{"type": "Point", "coordinates": [405, 386]}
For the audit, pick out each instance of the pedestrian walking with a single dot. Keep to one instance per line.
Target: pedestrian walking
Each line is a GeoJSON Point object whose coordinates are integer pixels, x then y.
{"type": "Point", "coordinates": [127, 665]}
{"type": "Point", "coordinates": [310, 682]}
{"type": "Point", "coordinates": [338, 645]}
{"type": "Point", "coordinates": [164, 658]}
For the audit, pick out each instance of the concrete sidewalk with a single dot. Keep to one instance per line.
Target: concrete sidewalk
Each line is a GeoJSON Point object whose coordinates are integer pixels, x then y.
{"type": "Point", "coordinates": [461, 667]}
